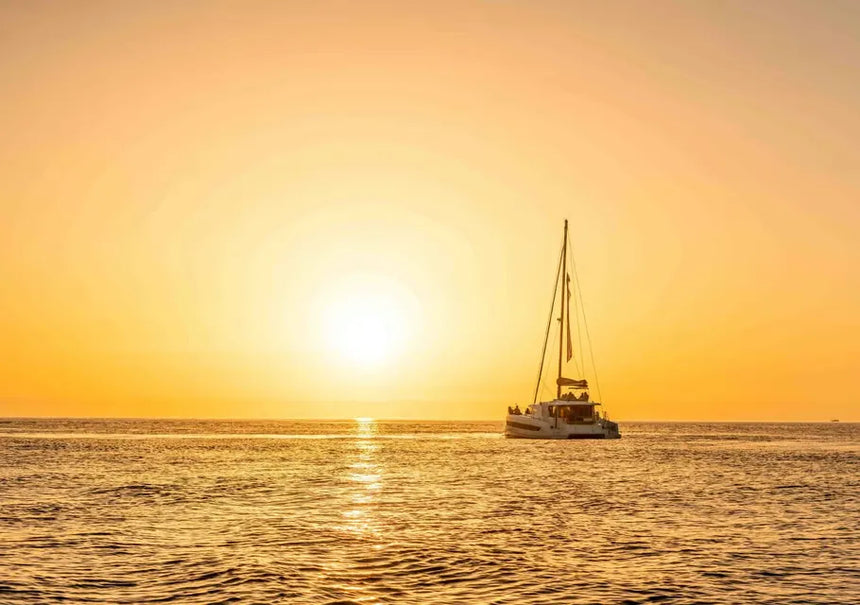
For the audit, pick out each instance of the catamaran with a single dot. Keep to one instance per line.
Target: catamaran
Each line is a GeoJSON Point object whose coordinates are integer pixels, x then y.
{"type": "Point", "coordinates": [572, 414]}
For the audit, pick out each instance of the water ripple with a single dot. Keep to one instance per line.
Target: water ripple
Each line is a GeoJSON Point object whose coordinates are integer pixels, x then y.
{"type": "Point", "coordinates": [344, 512]}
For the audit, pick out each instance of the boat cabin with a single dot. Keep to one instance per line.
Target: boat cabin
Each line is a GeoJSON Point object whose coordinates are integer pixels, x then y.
{"type": "Point", "coordinates": [574, 413]}
{"type": "Point", "coordinates": [571, 412]}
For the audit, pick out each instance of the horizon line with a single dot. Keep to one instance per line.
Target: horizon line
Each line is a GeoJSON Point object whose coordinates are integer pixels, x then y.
{"type": "Point", "coordinates": [402, 419]}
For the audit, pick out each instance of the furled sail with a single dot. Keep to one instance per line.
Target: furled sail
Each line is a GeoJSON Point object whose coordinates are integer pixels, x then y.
{"type": "Point", "coordinates": [572, 382]}
{"type": "Point", "coordinates": [569, 341]}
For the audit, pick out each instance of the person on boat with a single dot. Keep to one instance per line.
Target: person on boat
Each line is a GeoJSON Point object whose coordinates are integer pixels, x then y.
{"type": "Point", "coordinates": [584, 396]}
{"type": "Point", "coordinates": [510, 410]}
{"type": "Point", "coordinates": [517, 411]}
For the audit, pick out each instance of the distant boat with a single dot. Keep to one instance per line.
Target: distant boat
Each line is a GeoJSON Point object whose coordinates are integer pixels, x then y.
{"type": "Point", "coordinates": [572, 414]}
{"type": "Point", "coordinates": [835, 420]}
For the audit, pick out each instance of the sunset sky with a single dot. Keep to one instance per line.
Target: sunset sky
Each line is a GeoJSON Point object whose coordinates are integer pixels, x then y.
{"type": "Point", "coordinates": [338, 209]}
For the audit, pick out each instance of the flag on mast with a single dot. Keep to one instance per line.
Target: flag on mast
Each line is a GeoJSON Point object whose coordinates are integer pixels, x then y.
{"type": "Point", "coordinates": [569, 341]}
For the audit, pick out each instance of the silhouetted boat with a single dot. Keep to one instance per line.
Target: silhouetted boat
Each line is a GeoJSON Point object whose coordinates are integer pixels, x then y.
{"type": "Point", "coordinates": [572, 414]}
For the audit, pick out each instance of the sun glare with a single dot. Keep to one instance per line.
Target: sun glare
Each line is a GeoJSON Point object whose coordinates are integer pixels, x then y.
{"type": "Point", "coordinates": [365, 336]}
{"type": "Point", "coordinates": [365, 328]}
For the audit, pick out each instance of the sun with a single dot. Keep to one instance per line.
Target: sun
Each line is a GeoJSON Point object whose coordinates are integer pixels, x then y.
{"type": "Point", "coordinates": [365, 327]}
{"type": "Point", "coordinates": [365, 336]}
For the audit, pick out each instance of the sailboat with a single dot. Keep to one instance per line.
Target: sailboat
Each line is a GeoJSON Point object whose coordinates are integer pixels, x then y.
{"type": "Point", "coordinates": [572, 414]}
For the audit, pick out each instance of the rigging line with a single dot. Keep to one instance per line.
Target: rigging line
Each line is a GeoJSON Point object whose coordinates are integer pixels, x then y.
{"type": "Point", "coordinates": [581, 310]}
{"type": "Point", "coordinates": [585, 322]}
{"type": "Point", "coordinates": [543, 382]}
{"type": "Point", "coordinates": [578, 362]}
{"type": "Point", "coordinates": [577, 294]}
{"type": "Point", "coordinates": [579, 369]}
{"type": "Point", "coordinates": [548, 324]}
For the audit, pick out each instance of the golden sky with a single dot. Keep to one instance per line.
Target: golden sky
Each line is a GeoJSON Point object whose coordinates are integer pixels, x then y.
{"type": "Point", "coordinates": [337, 209]}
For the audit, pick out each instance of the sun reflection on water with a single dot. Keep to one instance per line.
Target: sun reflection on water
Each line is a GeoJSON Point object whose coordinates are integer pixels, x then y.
{"type": "Point", "coordinates": [364, 479]}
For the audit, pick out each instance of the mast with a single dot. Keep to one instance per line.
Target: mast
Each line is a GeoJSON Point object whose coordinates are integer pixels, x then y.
{"type": "Point", "coordinates": [562, 290]}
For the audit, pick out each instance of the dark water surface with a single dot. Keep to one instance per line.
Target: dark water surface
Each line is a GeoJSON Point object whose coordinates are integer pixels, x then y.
{"type": "Point", "coordinates": [122, 511]}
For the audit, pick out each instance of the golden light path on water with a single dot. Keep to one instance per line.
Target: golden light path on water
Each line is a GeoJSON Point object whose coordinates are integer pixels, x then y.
{"type": "Point", "coordinates": [366, 477]}
{"type": "Point", "coordinates": [363, 479]}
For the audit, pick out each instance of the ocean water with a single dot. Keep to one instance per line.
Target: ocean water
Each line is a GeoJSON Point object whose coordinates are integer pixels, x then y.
{"type": "Point", "coordinates": [134, 511]}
